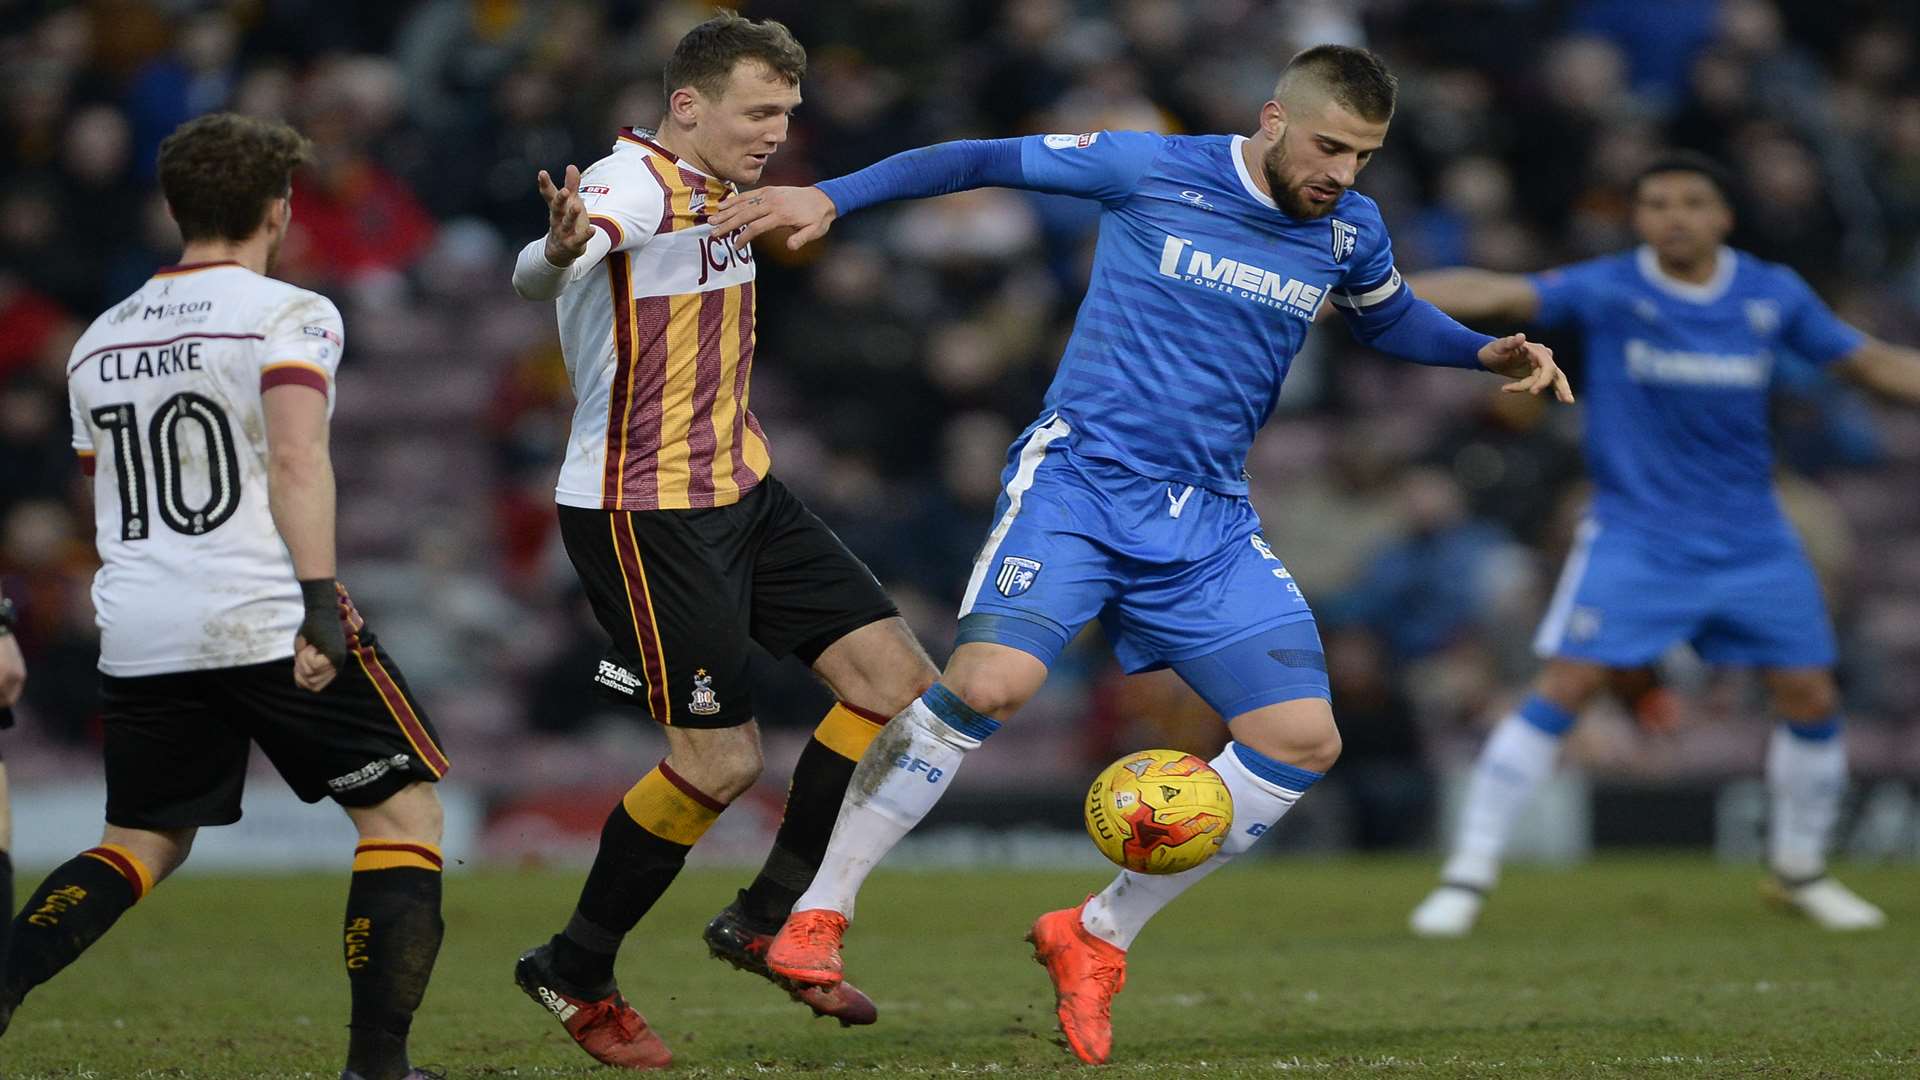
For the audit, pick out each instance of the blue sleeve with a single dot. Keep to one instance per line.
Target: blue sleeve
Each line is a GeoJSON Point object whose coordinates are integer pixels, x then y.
{"type": "Point", "coordinates": [1382, 311]}
{"type": "Point", "coordinates": [1103, 165]}
{"type": "Point", "coordinates": [1809, 327]}
{"type": "Point", "coordinates": [1097, 165]}
{"type": "Point", "coordinates": [1568, 293]}
{"type": "Point", "coordinates": [1412, 329]}
{"type": "Point", "coordinates": [940, 169]}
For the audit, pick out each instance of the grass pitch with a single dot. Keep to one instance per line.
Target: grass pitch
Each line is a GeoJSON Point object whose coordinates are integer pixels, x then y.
{"type": "Point", "coordinates": [1627, 967]}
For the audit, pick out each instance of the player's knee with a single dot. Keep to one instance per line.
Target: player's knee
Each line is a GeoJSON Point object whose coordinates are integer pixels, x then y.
{"type": "Point", "coordinates": [721, 769]}
{"type": "Point", "coordinates": [1316, 750]}
{"type": "Point", "coordinates": [413, 813]}
{"type": "Point", "coordinates": [1571, 685]}
{"type": "Point", "coordinates": [986, 693]}
{"type": "Point", "coordinates": [160, 851]}
{"type": "Point", "coordinates": [1800, 700]}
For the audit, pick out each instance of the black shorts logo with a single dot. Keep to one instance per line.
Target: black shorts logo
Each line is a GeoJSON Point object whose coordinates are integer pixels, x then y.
{"type": "Point", "coordinates": [615, 677]}
{"type": "Point", "coordinates": [368, 773]}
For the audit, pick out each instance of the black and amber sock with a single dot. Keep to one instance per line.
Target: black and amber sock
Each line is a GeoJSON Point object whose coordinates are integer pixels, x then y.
{"type": "Point", "coordinates": [813, 804]}
{"type": "Point", "coordinates": [642, 848]}
{"type": "Point", "coordinates": [393, 932]}
{"type": "Point", "coordinates": [76, 904]}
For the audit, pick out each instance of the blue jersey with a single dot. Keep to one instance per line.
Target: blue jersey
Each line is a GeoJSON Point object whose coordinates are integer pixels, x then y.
{"type": "Point", "coordinates": [1677, 384]}
{"type": "Point", "coordinates": [1202, 293]}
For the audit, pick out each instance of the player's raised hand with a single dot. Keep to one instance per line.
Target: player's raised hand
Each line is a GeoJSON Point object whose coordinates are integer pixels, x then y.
{"type": "Point", "coordinates": [1529, 364]}
{"type": "Point", "coordinates": [805, 210]}
{"type": "Point", "coordinates": [568, 229]}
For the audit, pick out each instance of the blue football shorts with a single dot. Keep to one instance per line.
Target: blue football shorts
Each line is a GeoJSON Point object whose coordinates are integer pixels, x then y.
{"type": "Point", "coordinates": [1626, 596]}
{"type": "Point", "coordinates": [1180, 577]}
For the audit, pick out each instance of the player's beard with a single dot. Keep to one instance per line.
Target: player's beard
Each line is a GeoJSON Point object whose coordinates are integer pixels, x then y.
{"type": "Point", "coordinates": [1287, 196]}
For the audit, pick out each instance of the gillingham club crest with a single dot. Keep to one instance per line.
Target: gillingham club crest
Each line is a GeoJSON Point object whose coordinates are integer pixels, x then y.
{"type": "Point", "coordinates": [1344, 236]}
{"type": "Point", "coordinates": [704, 702]}
{"type": "Point", "coordinates": [1016, 576]}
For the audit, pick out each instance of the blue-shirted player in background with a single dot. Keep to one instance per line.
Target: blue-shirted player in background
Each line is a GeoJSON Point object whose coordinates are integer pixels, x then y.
{"type": "Point", "coordinates": [1126, 501]}
{"type": "Point", "coordinates": [1684, 540]}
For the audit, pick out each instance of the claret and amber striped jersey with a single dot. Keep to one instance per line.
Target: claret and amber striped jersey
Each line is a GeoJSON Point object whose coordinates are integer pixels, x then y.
{"type": "Point", "coordinates": [658, 339]}
{"type": "Point", "coordinates": [165, 390]}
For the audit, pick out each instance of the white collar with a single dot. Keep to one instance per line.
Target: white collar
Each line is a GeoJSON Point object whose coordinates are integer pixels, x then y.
{"type": "Point", "coordinates": [1246, 180]}
{"type": "Point", "coordinates": [1704, 293]}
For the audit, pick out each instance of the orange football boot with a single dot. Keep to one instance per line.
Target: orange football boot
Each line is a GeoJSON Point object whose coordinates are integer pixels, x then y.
{"type": "Point", "coordinates": [1086, 974]}
{"type": "Point", "coordinates": [806, 951]}
{"type": "Point", "coordinates": [733, 939]}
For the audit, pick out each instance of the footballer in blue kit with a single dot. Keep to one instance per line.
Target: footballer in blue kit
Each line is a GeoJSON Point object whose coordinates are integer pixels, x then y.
{"type": "Point", "coordinates": [1684, 540]}
{"type": "Point", "coordinates": [1126, 500]}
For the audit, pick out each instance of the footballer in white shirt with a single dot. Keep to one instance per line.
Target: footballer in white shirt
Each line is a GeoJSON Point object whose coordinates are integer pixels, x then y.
{"type": "Point", "coordinates": [201, 406]}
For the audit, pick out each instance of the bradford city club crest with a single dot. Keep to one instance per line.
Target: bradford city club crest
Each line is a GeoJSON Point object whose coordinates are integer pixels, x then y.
{"type": "Point", "coordinates": [704, 702]}
{"type": "Point", "coordinates": [1016, 575]}
{"type": "Point", "coordinates": [1344, 236]}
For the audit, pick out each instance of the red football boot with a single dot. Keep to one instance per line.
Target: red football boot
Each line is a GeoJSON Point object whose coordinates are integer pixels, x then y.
{"type": "Point", "coordinates": [1086, 974]}
{"type": "Point", "coordinates": [607, 1028]}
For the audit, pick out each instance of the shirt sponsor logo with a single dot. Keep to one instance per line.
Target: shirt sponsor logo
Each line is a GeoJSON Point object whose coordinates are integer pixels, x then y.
{"type": "Point", "coordinates": [1242, 279]}
{"type": "Point", "coordinates": [174, 311]}
{"type": "Point", "coordinates": [1196, 199]}
{"type": "Point", "coordinates": [1732, 371]}
{"type": "Point", "coordinates": [718, 254]}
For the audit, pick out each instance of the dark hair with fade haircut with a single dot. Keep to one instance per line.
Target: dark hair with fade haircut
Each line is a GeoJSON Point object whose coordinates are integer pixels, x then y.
{"type": "Point", "coordinates": [705, 58]}
{"type": "Point", "coordinates": [219, 172]}
{"type": "Point", "coordinates": [1357, 79]}
{"type": "Point", "coordinates": [1687, 161]}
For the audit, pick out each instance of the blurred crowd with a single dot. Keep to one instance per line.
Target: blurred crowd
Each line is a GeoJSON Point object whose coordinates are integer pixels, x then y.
{"type": "Point", "coordinates": [1424, 515]}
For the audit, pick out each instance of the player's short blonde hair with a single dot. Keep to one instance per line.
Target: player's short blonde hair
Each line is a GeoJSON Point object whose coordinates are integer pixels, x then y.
{"type": "Point", "coordinates": [219, 172]}
{"type": "Point", "coordinates": [705, 58]}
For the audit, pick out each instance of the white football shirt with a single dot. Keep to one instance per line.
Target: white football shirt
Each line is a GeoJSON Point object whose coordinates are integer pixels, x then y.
{"type": "Point", "coordinates": [165, 390]}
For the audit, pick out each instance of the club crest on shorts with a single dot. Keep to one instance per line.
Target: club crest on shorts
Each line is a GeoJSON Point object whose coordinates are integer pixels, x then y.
{"type": "Point", "coordinates": [704, 702]}
{"type": "Point", "coordinates": [1344, 237]}
{"type": "Point", "coordinates": [1016, 576]}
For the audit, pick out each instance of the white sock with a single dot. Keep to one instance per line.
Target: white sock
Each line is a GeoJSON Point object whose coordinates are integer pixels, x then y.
{"type": "Point", "coordinates": [904, 771]}
{"type": "Point", "coordinates": [1517, 759]}
{"type": "Point", "coordinates": [1806, 776]}
{"type": "Point", "coordinates": [1121, 910]}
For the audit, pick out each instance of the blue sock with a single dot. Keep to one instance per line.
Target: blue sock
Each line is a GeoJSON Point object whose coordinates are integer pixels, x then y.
{"type": "Point", "coordinates": [1278, 773]}
{"type": "Point", "coordinates": [957, 714]}
{"type": "Point", "coordinates": [1546, 716]}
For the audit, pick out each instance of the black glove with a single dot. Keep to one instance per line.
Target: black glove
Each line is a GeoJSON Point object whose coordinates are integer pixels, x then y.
{"type": "Point", "coordinates": [322, 626]}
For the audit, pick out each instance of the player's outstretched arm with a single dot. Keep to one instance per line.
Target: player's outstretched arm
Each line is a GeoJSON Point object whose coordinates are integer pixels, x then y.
{"type": "Point", "coordinates": [940, 169]}
{"type": "Point", "coordinates": [1892, 371]}
{"type": "Point", "coordinates": [1471, 295]}
{"type": "Point", "coordinates": [1414, 330]}
{"type": "Point", "coordinates": [570, 248]}
{"type": "Point", "coordinates": [300, 493]}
